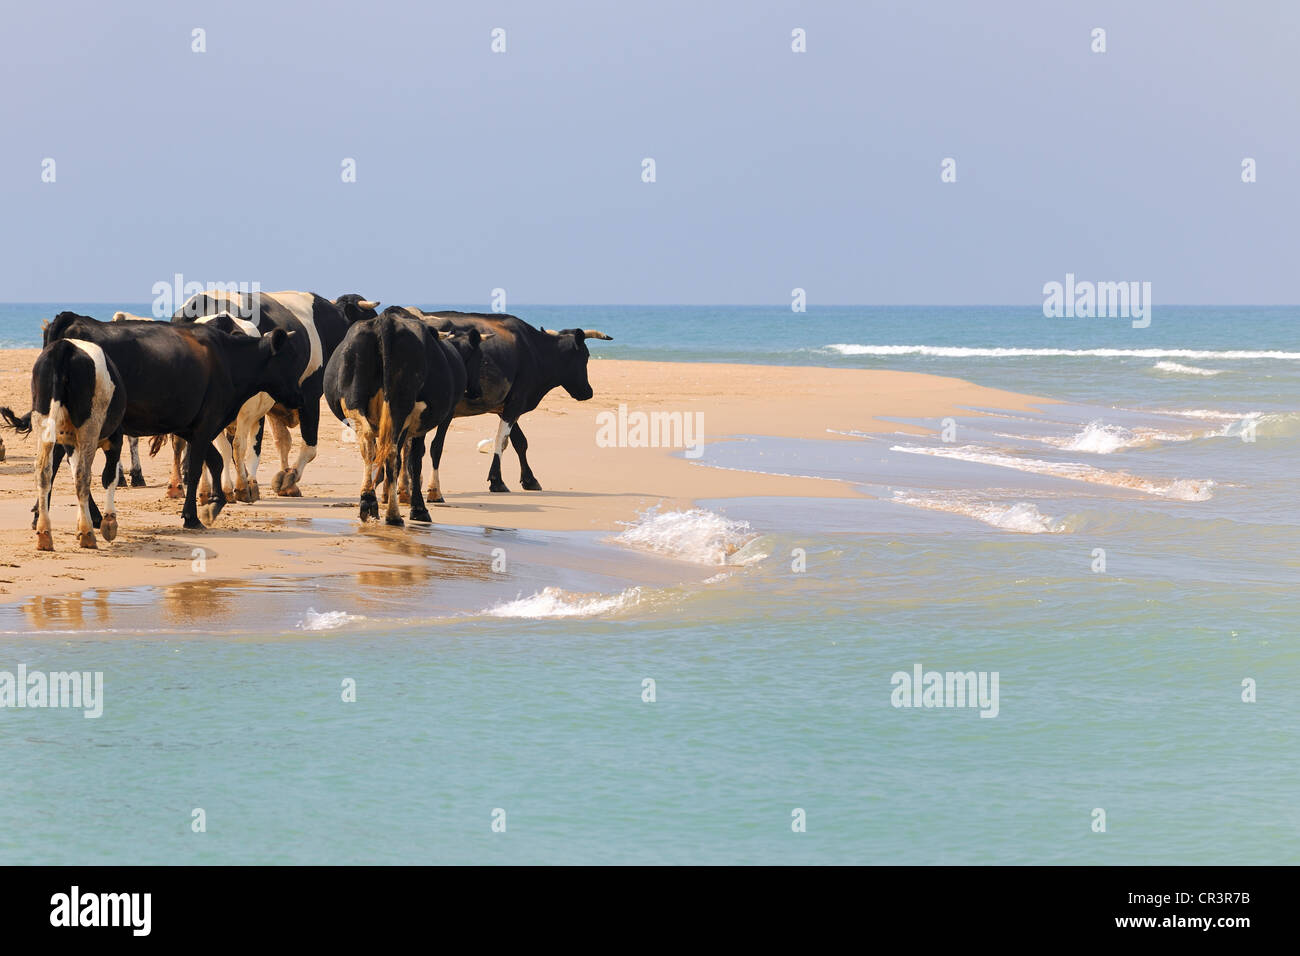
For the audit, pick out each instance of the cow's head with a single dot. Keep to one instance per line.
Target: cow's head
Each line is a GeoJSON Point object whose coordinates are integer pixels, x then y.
{"type": "Point", "coordinates": [355, 308]}
{"type": "Point", "coordinates": [279, 371]}
{"type": "Point", "coordinates": [467, 343]}
{"type": "Point", "coordinates": [572, 371]}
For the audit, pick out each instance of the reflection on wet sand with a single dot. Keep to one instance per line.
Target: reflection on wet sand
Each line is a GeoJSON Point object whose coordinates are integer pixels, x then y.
{"type": "Point", "coordinates": [68, 613]}
{"type": "Point", "coordinates": [434, 563]}
{"type": "Point", "coordinates": [201, 598]}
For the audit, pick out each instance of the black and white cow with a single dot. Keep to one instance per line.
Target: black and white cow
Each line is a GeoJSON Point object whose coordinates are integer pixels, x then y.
{"type": "Point", "coordinates": [394, 379]}
{"type": "Point", "coordinates": [321, 325]}
{"type": "Point", "coordinates": [187, 380]}
{"type": "Point", "coordinates": [520, 365]}
{"type": "Point", "coordinates": [77, 405]}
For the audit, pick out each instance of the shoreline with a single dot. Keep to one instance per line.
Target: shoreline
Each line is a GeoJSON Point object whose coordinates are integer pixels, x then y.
{"type": "Point", "coordinates": [587, 487]}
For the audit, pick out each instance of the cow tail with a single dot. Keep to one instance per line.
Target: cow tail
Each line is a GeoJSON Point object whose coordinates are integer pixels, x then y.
{"type": "Point", "coordinates": [387, 361]}
{"type": "Point", "coordinates": [63, 354]}
{"type": "Point", "coordinates": [22, 426]}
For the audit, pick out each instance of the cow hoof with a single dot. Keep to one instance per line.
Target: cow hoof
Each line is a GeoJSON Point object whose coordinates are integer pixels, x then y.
{"type": "Point", "coordinates": [404, 497]}
{"type": "Point", "coordinates": [254, 493]}
{"type": "Point", "coordinates": [288, 490]}
{"type": "Point", "coordinates": [369, 508]}
{"type": "Point", "coordinates": [276, 481]}
{"type": "Point", "coordinates": [531, 484]}
{"type": "Point", "coordinates": [44, 541]}
{"type": "Point", "coordinates": [207, 515]}
{"type": "Point", "coordinates": [498, 486]}
{"type": "Point", "coordinates": [87, 540]}
{"type": "Point", "coordinates": [396, 521]}
{"type": "Point", "coordinates": [204, 497]}
{"type": "Point", "coordinates": [108, 527]}
{"type": "Point", "coordinates": [192, 524]}
{"type": "Point", "coordinates": [436, 499]}
{"type": "Point", "coordinates": [137, 479]}
{"type": "Point", "coordinates": [243, 494]}
{"type": "Point", "coordinates": [421, 515]}
{"type": "Point", "coordinates": [175, 491]}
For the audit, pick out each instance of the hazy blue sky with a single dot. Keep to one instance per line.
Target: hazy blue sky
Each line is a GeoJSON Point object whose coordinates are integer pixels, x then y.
{"type": "Point", "coordinates": [522, 170]}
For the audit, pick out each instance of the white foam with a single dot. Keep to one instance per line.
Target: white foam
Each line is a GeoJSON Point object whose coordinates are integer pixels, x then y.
{"type": "Point", "coordinates": [327, 620]}
{"type": "Point", "coordinates": [1177, 369]}
{"type": "Point", "coordinates": [1180, 489]}
{"type": "Point", "coordinates": [556, 602]}
{"type": "Point", "coordinates": [697, 535]}
{"type": "Point", "coordinates": [1023, 517]}
{"type": "Point", "coordinates": [944, 351]}
{"type": "Point", "coordinates": [1098, 438]}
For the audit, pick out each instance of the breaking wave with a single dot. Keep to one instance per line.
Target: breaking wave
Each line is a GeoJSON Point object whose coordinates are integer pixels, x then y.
{"type": "Point", "coordinates": [1098, 438]}
{"type": "Point", "coordinates": [697, 535]}
{"type": "Point", "coordinates": [1179, 489]}
{"type": "Point", "coordinates": [1175, 368]}
{"type": "Point", "coordinates": [954, 351]}
{"type": "Point", "coordinates": [326, 620]}
{"type": "Point", "coordinates": [556, 602]}
{"type": "Point", "coordinates": [1022, 517]}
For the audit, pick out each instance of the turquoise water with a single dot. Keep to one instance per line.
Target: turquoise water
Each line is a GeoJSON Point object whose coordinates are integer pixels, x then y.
{"type": "Point", "coordinates": [1119, 690]}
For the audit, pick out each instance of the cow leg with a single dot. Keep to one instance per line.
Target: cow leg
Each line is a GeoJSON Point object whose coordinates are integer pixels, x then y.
{"type": "Point", "coordinates": [215, 460]}
{"type": "Point", "coordinates": [391, 514]}
{"type": "Point", "coordinates": [221, 444]}
{"type": "Point", "coordinates": [137, 473]}
{"type": "Point", "coordinates": [366, 448]}
{"type": "Point", "coordinates": [44, 462]}
{"type": "Point", "coordinates": [73, 456]}
{"type": "Point", "coordinates": [309, 429]}
{"type": "Point", "coordinates": [112, 471]}
{"type": "Point", "coordinates": [435, 460]}
{"type": "Point", "coordinates": [498, 446]}
{"type": "Point", "coordinates": [520, 443]}
{"type": "Point", "coordinates": [283, 444]}
{"type": "Point", "coordinates": [194, 459]}
{"type": "Point", "coordinates": [404, 484]}
{"type": "Point", "coordinates": [82, 461]}
{"type": "Point", "coordinates": [244, 485]}
{"type": "Point", "coordinates": [414, 463]}
{"type": "Point", "coordinates": [56, 455]}
{"type": "Point", "coordinates": [176, 484]}
{"type": "Point", "coordinates": [253, 492]}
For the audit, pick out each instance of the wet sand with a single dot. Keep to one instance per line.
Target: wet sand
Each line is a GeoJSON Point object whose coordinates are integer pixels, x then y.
{"type": "Point", "coordinates": [588, 486]}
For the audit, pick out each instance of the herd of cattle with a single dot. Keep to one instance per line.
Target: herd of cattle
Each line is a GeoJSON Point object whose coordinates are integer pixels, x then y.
{"type": "Point", "coordinates": [227, 362]}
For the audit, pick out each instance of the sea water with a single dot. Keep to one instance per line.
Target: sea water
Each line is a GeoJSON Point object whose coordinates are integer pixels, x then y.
{"type": "Point", "coordinates": [719, 684]}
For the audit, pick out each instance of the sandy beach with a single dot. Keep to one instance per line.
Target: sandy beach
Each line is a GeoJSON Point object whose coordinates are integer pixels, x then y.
{"type": "Point", "coordinates": [587, 486]}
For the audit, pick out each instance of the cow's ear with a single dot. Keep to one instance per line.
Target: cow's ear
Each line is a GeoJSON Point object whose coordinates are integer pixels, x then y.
{"type": "Point", "coordinates": [276, 339]}
{"type": "Point", "coordinates": [475, 337]}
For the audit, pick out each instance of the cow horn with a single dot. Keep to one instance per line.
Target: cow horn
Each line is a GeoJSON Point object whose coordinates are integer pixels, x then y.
{"type": "Point", "coordinates": [45, 324]}
{"type": "Point", "coordinates": [363, 304]}
{"type": "Point", "coordinates": [597, 334]}
{"type": "Point", "coordinates": [550, 331]}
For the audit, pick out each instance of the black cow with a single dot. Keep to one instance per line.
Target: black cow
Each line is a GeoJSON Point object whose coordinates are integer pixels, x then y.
{"type": "Point", "coordinates": [394, 379]}
{"type": "Point", "coordinates": [187, 380]}
{"type": "Point", "coordinates": [321, 325]}
{"type": "Point", "coordinates": [77, 404]}
{"type": "Point", "coordinates": [520, 365]}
